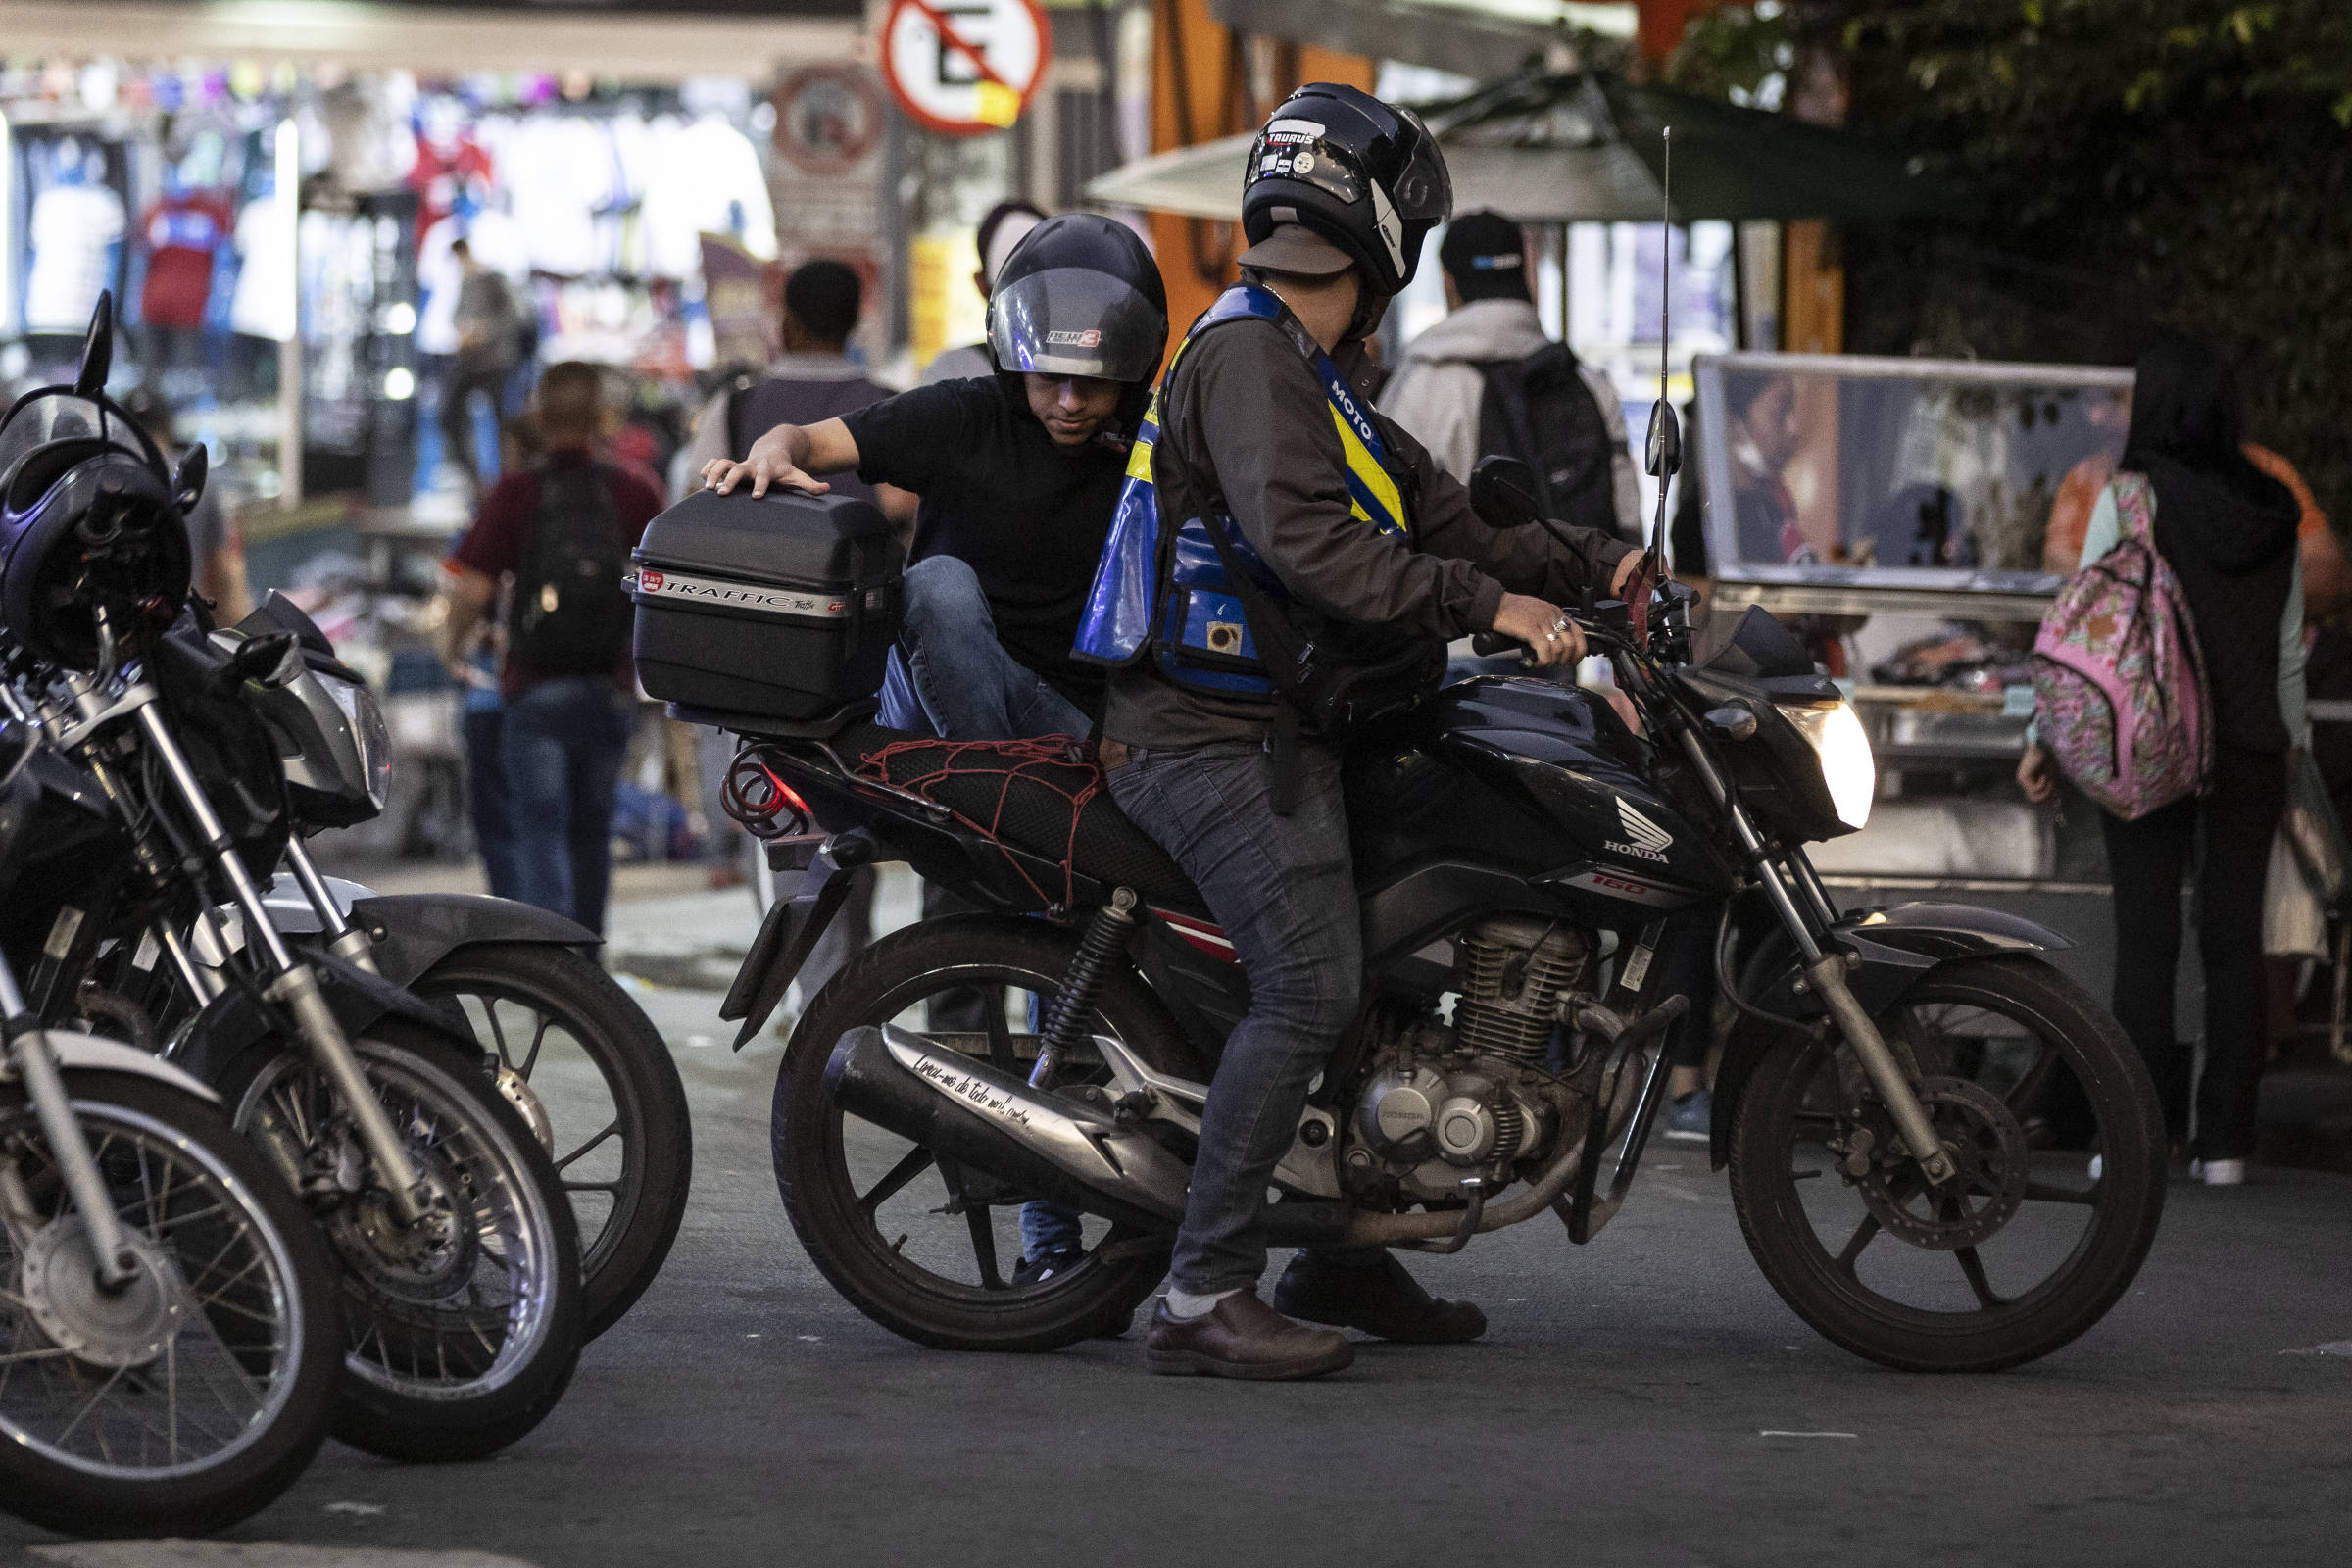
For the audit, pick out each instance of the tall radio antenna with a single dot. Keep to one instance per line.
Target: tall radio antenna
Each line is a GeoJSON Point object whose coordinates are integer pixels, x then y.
{"type": "Point", "coordinates": [1665, 444]}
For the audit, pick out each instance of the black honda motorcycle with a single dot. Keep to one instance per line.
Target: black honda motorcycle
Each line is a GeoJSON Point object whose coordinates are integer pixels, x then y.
{"type": "Point", "coordinates": [1943, 1153]}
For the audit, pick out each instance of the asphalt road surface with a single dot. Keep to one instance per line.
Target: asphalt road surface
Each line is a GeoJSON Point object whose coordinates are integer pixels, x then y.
{"type": "Point", "coordinates": [1646, 1400]}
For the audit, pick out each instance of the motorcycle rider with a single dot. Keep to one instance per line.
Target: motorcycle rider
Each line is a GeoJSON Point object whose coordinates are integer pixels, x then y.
{"type": "Point", "coordinates": [1353, 538]}
{"type": "Point", "coordinates": [1018, 473]}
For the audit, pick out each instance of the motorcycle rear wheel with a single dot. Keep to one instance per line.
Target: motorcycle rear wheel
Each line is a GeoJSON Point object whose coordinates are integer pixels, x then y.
{"type": "Point", "coordinates": [2037, 1243]}
{"type": "Point", "coordinates": [883, 1241]}
{"type": "Point", "coordinates": [199, 1393]}
{"type": "Point", "coordinates": [453, 1351]}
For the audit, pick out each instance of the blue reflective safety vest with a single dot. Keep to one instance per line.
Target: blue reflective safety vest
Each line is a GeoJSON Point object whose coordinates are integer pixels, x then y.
{"type": "Point", "coordinates": [1163, 591]}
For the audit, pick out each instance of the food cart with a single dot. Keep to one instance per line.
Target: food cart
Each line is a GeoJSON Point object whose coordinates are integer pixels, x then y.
{"type": "Point", "coordinates": [1898, 511]}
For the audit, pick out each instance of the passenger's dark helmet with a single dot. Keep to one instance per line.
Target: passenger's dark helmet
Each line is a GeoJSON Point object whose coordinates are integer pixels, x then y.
{"type": "Point", "coordinates": [1081, 296]}
{"type": "Point", "coordinates": [1365, 174]}
{"type": "Point", "coordinates": [90, 523]}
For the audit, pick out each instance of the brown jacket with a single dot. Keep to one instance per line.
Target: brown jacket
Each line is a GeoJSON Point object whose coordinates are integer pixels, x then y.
{"type": "Point", "coordinates": [1245, 428]}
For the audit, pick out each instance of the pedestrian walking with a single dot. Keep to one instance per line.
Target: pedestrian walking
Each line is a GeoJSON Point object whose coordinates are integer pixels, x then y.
{"type": "Point", "coordinates": [2227, 529]}
{"type": "Point", "coordinates": [560, 535]}
{"type": "Point", "coordinates": [489, 327]}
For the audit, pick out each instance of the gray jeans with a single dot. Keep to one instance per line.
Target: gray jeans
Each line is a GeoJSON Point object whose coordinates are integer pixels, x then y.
{"type": "Point", "coordinates": [1284, 889]}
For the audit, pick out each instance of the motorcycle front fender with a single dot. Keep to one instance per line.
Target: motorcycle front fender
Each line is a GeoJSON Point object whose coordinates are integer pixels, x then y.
{"type": "Point", "coordinates": [79, 1052]}
{"type": "Point", "coordinates": [414, 931]}
{"type": "Point", "coordinates": [1894, 950]}
{"type": "Point", "coordinates": [234, 1021]}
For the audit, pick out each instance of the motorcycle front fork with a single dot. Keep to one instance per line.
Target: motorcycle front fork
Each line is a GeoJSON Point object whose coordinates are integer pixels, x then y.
{"type": "Point", "coordinates": [293, 985]}
{"type": "Point", "coordinates": [1825, 973]}
{"type": "Point", "coordinates": [29, 1054]}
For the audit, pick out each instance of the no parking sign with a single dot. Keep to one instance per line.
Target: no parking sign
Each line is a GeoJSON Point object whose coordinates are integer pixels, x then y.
{"type": "Point", "coordinates": [965, 68]}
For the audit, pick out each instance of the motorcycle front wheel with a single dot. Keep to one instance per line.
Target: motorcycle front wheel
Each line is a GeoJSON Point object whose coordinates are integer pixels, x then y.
{"type": "Point", "coordinates": [2060, 1144]}
{"type": "Point", "coordinates": [591, 1070]}
{"type": "Point", "coordinates": [460, 1334]}
{"type": "Point", "coordinates": [194, 1396]}
{"type": "Point", "coordinates": [929, 1249]}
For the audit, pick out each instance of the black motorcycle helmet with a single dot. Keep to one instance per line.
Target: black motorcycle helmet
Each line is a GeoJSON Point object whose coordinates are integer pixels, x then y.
{"type": "Point", "coordinates": [1080, 296]}
{"type": "Point", "coordinates": [91, 519]}
{"type": "Point", "coordinates": [1366, 176]}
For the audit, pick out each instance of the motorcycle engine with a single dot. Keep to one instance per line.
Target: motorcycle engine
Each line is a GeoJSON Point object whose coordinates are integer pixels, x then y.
{"type": "Point", "coordinates": [1442, 1104]}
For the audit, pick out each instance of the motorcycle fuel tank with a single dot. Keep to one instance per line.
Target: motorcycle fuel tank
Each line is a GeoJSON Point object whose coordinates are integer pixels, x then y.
{"type": "Point", "coordinates": [1575, 804]}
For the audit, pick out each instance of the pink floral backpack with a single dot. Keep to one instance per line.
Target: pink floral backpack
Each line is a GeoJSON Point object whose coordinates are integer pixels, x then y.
{"type": "Point", "coordinates": [2118, 685]}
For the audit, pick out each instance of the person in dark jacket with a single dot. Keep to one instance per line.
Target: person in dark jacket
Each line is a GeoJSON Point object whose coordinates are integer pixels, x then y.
{"type": "Point", "coordinates": [1263, 424]}
{"type": "Point", "coordinates": [2227, 530]}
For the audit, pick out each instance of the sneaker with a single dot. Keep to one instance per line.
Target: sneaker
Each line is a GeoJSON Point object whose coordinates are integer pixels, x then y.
{"type": "Point", "coordinates": [1043, 1267]}
{"type": "Point", "coordinates": [2219, 1172]}
{"type": "Point", "coordinates": [1691, 1119]}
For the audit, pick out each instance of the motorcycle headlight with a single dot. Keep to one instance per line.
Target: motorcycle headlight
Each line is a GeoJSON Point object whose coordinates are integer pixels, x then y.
{"type": "Point", "coordinates": [1838, 739]}
{"type": "Point", "coordinates": [368, 734]}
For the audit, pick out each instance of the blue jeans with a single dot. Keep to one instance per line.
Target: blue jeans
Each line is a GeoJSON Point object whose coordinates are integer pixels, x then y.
{"type": "Point", "coordinates": [1284, 889]}
{"type": "Point", "coordinates": [948, 675]}
{"type": "Point", "coordinates": [486, 796]}
{"type": "Point", "coordinates": [562, 748]}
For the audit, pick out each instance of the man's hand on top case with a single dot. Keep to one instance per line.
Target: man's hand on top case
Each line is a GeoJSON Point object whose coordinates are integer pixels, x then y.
{"type": "Point", "coordinates": [769, 462]}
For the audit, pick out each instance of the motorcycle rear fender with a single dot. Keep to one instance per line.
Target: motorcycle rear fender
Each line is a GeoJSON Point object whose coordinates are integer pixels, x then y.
{"type": "Point", "coordinates": [78, 1052]}
{"type": "Point", "coordinates": [1896, 950]}
{"type": "Point", "coordinates": [414, 931]}
{"type": "Point", "coordinates": [234, 1022]}
{"type": "Point", "coordinates": [786, 938]}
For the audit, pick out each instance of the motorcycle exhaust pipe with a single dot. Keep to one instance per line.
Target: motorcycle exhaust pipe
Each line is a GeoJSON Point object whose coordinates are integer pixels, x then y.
{"type": "Point", "coordinates": [971, 1113]}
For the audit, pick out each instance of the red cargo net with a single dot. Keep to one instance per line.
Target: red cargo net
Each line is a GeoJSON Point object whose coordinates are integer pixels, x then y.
{"type": "Point", "coordinates": [1005, 763]}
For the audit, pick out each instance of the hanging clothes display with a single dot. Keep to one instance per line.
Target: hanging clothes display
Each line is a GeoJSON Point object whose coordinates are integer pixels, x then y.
{"type": "Point", "coordinates": [76, 231]}
{"type": "Point", "coordinates": [183, 233]}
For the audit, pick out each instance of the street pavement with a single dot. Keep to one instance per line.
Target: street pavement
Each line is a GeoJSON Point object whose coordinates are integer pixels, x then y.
{"type": "Point", "coordinates": [1646, 1400]}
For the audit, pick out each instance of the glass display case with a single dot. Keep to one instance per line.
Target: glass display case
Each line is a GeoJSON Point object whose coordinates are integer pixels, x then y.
{"type": "Point", "coordinates": [1914, 518]}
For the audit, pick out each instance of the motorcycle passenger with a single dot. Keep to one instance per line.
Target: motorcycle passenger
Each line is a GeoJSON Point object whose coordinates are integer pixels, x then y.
{"type": "Point", "coordinates": [1267, 459]}
{"type": "Point", "coordinates": [1018, 473]}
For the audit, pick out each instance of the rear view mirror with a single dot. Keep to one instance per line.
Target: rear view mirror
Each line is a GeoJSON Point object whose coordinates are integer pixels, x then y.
{"type": "Point", "coordinates": [187, 485]}
{"type": "Point", "coordinates": [1665, 444]}
{"type": "Point", "coordinates": [1502, 492]}
{"type": "Point", "coordinates": [97, 348]}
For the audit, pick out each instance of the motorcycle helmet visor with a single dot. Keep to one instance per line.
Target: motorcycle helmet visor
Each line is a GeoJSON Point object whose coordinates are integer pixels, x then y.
{"type": "Point", "coordinates": [1069, 320]}
{"type": "Point", "coordinates": [48, 418]}
{"type": "Point", "coordinates": [1424, 191]}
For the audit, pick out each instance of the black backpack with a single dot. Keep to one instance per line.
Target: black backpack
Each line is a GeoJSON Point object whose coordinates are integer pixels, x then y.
{"type": "Point", "coordinates": [570, 613]}
{"type": "Point", "coordinates": [1539, 410]}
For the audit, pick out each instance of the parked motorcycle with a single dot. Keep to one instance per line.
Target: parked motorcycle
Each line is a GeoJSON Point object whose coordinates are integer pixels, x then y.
{"type": "Point", "coordinates": [568, 1048]}
{"type": "Point", "coordinates": [459, 1262]}
{"type": "Point", "coordinates": [1944, 1155]}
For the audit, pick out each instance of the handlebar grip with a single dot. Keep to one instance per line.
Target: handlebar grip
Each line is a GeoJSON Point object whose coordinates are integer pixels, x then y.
{"type": "Point", "coordinates": [1487, 644]}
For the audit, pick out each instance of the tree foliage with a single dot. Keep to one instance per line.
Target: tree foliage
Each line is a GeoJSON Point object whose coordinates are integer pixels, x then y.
{"type": "Point", "coordinates": [2138, 164]}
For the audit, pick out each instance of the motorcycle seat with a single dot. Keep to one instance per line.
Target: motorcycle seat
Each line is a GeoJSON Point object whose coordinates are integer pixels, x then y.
{"type": "Point", "coordinates": [1025, 794]}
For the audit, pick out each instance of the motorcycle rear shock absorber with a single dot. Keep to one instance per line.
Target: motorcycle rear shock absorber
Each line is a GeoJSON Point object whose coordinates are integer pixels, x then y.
{"type": "Point", "coordinates": [1106, 936]}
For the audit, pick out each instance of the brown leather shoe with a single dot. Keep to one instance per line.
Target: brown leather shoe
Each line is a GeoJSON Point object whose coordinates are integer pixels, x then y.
{"type": "Point", "coordinates": [1242, 1338]}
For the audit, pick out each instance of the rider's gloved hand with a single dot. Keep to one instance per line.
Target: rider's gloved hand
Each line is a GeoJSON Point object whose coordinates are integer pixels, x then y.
{"type": "Point", "coordinates": [1550, 636]}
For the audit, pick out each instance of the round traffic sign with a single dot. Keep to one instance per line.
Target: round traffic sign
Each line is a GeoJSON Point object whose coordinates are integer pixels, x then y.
{"type": "Point", "coordinates": [965, 68]}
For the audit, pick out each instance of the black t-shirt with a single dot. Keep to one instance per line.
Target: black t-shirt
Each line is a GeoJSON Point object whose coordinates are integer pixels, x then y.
{"type": "Point", "coordinates": [1026, 515]}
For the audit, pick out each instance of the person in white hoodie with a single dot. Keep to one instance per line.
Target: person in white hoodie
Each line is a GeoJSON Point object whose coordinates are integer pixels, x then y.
{"type": "Point", "coordinates": [1445, 389]}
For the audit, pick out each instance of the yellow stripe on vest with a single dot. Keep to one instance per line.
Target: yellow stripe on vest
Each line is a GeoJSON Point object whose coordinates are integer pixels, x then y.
{"type": "Point", "coordinates": [1373, 477]}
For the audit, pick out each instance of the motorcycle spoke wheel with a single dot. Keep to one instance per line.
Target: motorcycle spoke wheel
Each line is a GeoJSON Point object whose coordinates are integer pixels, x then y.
{"type": "Point", "coordinates": [934, 1250]}
{"type": "Point", "coordinates": [587, 1068]}
{"type": "Point", "coordinates": [2027, 1084]}
{"type": "Point", "coordinates": [197, 1392]}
